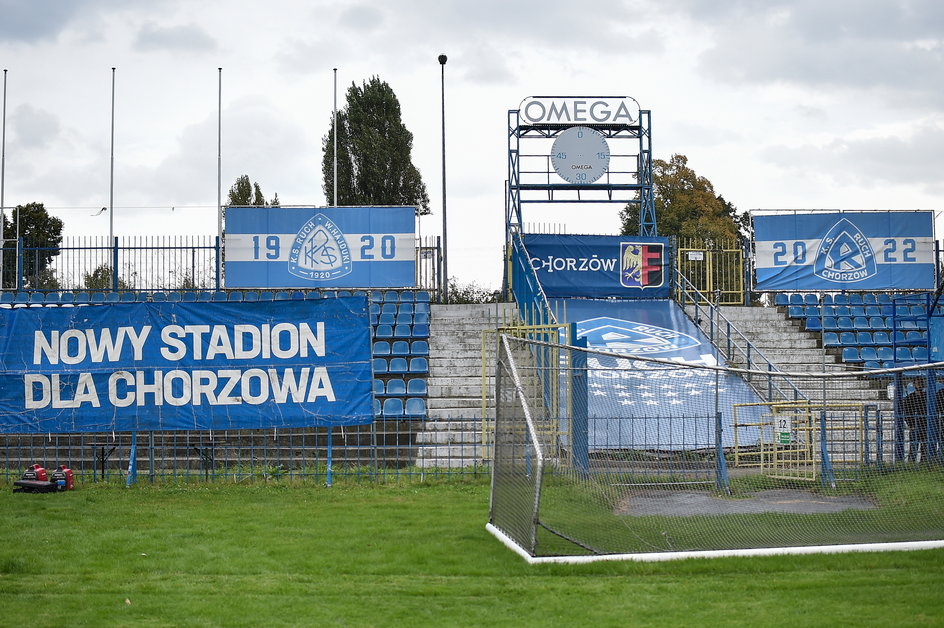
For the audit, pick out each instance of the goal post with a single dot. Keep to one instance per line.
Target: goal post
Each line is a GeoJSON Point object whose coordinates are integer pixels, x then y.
{"type": "Point", "coordinates": [687, 460]}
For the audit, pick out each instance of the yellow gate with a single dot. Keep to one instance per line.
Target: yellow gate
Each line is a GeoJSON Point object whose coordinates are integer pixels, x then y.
{"type": "Point", "coordinates": [714, 270]}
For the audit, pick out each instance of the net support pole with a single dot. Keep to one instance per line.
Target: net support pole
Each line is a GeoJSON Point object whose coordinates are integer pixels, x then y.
{"type": "Point", "coordinates": [827, 467]}
{"type": "Point", "coordinates": [132, 461]}
{"type": "Point", "coordinates": [721, 467]}
{"type": "Point", "coordinates": [330, 444]}
{"type": "Point", "coordinates": [579, 404]}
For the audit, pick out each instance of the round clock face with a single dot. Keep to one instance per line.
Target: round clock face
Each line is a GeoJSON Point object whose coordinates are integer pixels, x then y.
{"type": "Point", "coordinates": [580, 155]}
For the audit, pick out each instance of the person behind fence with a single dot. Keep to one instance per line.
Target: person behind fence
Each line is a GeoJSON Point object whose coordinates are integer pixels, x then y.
{"type": "Point", "coordinates": [914, 410]}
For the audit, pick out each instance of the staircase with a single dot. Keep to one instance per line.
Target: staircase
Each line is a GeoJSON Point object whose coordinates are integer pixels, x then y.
{"type": "Point", "coordinates": [785, 343]}
{"type": "Point", "coordinates": [452, 434]}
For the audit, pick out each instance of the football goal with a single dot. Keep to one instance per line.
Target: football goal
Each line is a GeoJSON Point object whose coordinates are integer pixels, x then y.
{"type": "Point", "coordinates": [603, 456]}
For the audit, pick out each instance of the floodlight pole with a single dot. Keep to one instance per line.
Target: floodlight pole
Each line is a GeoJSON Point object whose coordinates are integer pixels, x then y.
{"type": "Point", "coordinates": [219, 159]}
{"type": "Point", "coordinates": [334, 184]}
{"type": "Point", "coordinates": [445, 271]}
{"type": "Point", "coordinates": [3, 165]}
{"type": "Point", "coordinates": [111, 176]}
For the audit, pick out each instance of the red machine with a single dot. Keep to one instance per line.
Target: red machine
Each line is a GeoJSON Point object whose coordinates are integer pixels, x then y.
{"type": "Point", "coordinates": [36, 480]}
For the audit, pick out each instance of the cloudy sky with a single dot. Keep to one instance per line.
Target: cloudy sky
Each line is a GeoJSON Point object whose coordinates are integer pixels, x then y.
{"type": "Point", "coordinates": [780, 103]}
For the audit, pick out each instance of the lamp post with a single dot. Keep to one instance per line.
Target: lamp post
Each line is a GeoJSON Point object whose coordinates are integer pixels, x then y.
{"type": "Point", "coordinates": [111, 176]}
{"type": "Point", "coordinates": [445, 271]}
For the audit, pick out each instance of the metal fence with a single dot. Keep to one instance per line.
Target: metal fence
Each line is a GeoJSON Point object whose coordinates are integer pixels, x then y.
{"type": "Point", "coordinates": [145, 263]}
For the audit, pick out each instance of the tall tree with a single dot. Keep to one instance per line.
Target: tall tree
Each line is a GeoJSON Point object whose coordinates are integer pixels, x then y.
{"type": "Point", "coordinates": [375, 165]}
{"type": "Point", "coordinates": [687, 206]}
{"type": "Point", "coordinates": [42, 235]}
{"type": "Point", "coordinates": [245, 192]}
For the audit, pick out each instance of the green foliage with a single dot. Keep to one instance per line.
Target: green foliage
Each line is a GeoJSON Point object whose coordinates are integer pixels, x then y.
{"type": "Point", "coordinates": [471, 292]}
{"type": "Point", "coordinates": [687, 206]}
{"type": "Point", "coordinates": [279, 554]}
{"type": "Point", "coordinates": [375, 165]}
{"type": "Point", "coordinates": [42, 235]}
{"type": "Point", "coordinates": [244, 192]}
{"type": "Point", "coordinates": [100, 279]}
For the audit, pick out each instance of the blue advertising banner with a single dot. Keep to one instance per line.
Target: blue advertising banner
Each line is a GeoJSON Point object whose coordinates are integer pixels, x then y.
{"type": "Point", "coordinates": [635, 404]}
{"type": "Point", "coordinates": [318, 247]}
{"type": "Point", "coordinates": [845, 251]}
{"type": "Point", "coordinates": [185, 366]}
{"type": "Point", "coordinates": [600, 266]}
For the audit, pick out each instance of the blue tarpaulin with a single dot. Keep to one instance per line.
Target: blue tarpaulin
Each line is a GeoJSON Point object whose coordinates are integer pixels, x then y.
{"type": "Point", "coordinates": [185, 366]}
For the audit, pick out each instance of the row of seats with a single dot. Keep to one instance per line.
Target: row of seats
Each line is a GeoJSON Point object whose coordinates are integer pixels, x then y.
{"type": "Point", "coordinates": [892, 357]}
{"type": "Point", "coordinates": [873, 339]}
{"type": "Point", "coordinates": [863, 323]}
{"type": "Point", "coordinates": [397, 407]}
{"type": "Point", "coordinates": [815, 311]}
{"type": "Point", "coordinates": [852, 298]}
{"type": "Point", "coordinates": [59, 298]}
{"type": "Point", "coordinates": [405, 348]}
{"type": "Point", "coordinates": [397, 387]}
{"type": "Point", "coordinates": [400, 366]}
{"type": "Point", "coordinates": [383, 332]}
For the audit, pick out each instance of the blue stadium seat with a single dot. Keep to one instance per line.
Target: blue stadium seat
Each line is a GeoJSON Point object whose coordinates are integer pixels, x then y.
{"type": "Point", "coordinates": [219, 295]}
{"type": "Point", "coordinates": [856, 310]}
{"type": "Point", "coordinates": [142, 297]}
{"type": "Point", "coordinates": [374, 308]}
{"type": "Point", "coordinates": [406, 296]}
{"type": "Point", "coordinates": [421, 331]}
{"type": "Point", "coordinates": [871, 365]}
{"type": "Point", "coordinates": [80, 297]}
{"type": "Point", "coordinates": [377, 408]}
{"type": "Point", "coordinates": [403, 331]}
{"type": "Point", "coordinates": [915, 337]}
{"type": "Point", "coordinates": [360, 293]}
{"type": "Point", "coordinates": [112, 297]}
{"type": "Point", "coordinates": [873, 310]}
{"type": "Point", "coordinates": [851, 354]}
{"type": "Point", "coordinates": [383, 331]}
{"type": "Point", "coordinates": [389, 308]}
{"type": "Point", "coordinates": [265, 295]}
{"type": "Point", "coordinates": [864, 339]}
{"type": "Point", "coordinates": [814, 324]}
{"type": "Point", "coordinates": [328, 294]}
{"type": "Point", "coordinates": [64, 297]}
{"type": "Point", "coordinates": [235, 295]}
{"type": "Point", "coordinates": [919, 354]}
{"type": "Point", "coordinates": [860, 322]}
{"type": "Point", "coordinates": [97, 297]}
{"type": "Point", "coordinates": [885, 354]}
{"type": "Point", "coordinates": [883, 298]}
{"type": "Point", "coordinates": [6, 297]}
{"type": "Point", "coordinates": [419, 347]}
{"type": "Point", "coordinates": [844, 323]}
{"type": "Point", "coordinates": [830, 339]}
{"type": "Point", "coordinates": [842, 310]}
{"type": "Point", "coordinates": [380, 366]}
{"type": "Point", "coordinates": [189, 296]}
{"type": "Point", "coordinates": [781, 299]}
{"type": "Point", "coordinates": [415, 407]}
{"type": "Point", "coordinates": [405, 308]}
{"type": "Point", "coordinates": [903, 354]}
{"type": "Point", "coordinates": [397, 365]}
{"type": "Point", "coordinates": [404, 318]}
{"type": "Point", "coordinates": [840, 299]}
{"type": "Point", "coordinates": [855, 298]}
{"type": "Point", "coordinates": [387, 319]}
{"type": "Point", "coordinates": [810, 299]}
{"type": "Point", "coordinates": [250, 295]}
{"type": "Point", "coordinates": [400, 347]}
{"type": "Point", "coordinates": [159, 297]}
{"type": "Point", "coordinates": [847, 339]}
{"type": "Point", "coordinates": [881, 338]}
{"type": "Point", "coordinates": [899, 338]}
{"type": "Point", "coordinates": [419, 365]}
{"type": "Point", "coordinates": [421, 319]}
{"type": "Point", "coordinates": [393, 407]}
{"type": "Point", "coordinates": [827, 310]}
{"type": "Point", "coordinates": [174, 296]}
{"type": "Point", "coordinates": [52, 297]}
{"type": "Point", "coordinates": [421, 308]}
{"type": "Point", "coordinates": [391, 296]}
{"type": "Point", "coordinates": [796, 299]}
{"type": "Point", "coordinates": [378, 387]}
{"type": "Point", "coordinates": [376, 296]}
{"type": "Point", "coordinates": [37, 298]}
{"type": "Point", "coordinates": [396, 387]}
{"type": "Point", "coordinates": [416, 387]}
{"type": "Point", "coordinates": [811, 311]}
{"type": "Point", "coordinates": [827, 299]}
{"type": "Point", "coordinates": [877, 323]}
{"type": "Point", "coordinates": [344, 293]}
{"type": "Point", "coordinates": [374, 320]}
{"type": "Point", "coordinates": [381, 347]}
{"type": "Point", "coordinates": [281, 295]}
{"type": "Point", "coordinates": [422, 296]}
{"type": "Point", "coordinates": [868, 354]}
{"type": "Point", "coordinates": [869, 298]}
{"type": "Point", "coordinates": [795, 311]}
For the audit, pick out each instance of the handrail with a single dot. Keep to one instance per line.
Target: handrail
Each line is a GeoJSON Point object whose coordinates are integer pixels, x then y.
{"type": "Point", "coordinates": [735, 344]}
{"type": "Point", "coordinates": [526, 288]}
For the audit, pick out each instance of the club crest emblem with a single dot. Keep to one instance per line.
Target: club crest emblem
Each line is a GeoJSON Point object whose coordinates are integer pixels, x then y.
{"type": "Point", "coordinates": [844, 255]}
{"type": "Point", "coordinates": [641, 265]}
{"type": "Point", "coordinates": [319, 251]}
{"type": "Point", "coordinates": [632, 337]}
